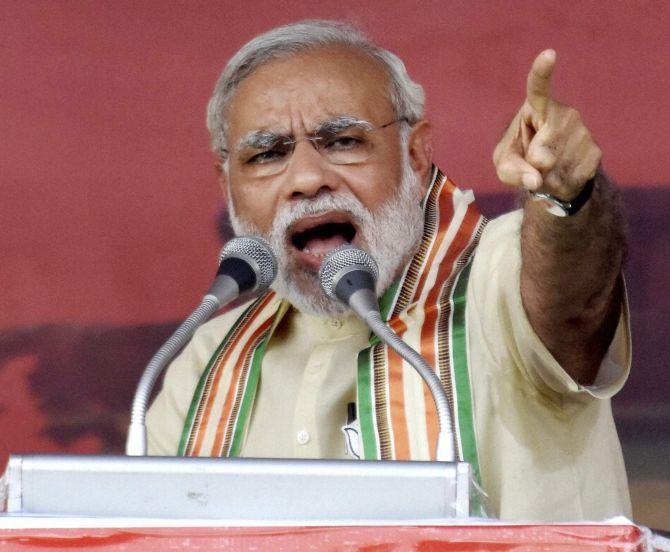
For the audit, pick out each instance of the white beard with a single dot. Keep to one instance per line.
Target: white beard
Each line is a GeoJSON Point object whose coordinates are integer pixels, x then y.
{"type": "Point", "coordinates": [391, 235]}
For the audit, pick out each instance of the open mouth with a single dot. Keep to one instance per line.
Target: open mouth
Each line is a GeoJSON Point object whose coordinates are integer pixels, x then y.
{"type": "Point", "coordinates": [315, 237]}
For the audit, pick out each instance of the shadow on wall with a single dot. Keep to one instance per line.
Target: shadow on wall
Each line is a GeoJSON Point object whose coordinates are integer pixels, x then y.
{"type": "Point", "coordinates": [75, 382]}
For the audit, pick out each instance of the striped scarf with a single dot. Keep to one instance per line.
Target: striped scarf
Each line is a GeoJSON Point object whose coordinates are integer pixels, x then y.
{"type": "Point", "coordinates": [396, 413]}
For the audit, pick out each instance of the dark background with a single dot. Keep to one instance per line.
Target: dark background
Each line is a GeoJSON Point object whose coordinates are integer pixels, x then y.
{"type": "Point", "coordinates": [109, 204]}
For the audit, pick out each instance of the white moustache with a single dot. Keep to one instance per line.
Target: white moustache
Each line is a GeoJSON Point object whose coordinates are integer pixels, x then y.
{"type": "Point", "coordinates": [290, 214]}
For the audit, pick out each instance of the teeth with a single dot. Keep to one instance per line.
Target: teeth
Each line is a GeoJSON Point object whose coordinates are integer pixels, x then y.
{"type": "Point", "coordinates": [310, 252]}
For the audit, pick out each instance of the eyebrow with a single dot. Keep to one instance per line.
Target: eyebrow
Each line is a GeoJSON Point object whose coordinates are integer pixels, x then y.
{"type": "Point", "coordinates": [340, 123]}
{"type": "Point", "coordinates": [259, 139]}
{"type": "Point", "coordinates": [262, 139]}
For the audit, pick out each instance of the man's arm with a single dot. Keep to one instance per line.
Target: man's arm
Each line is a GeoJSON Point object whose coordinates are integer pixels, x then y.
{"type": "Point", "coordinates": [570, 285]}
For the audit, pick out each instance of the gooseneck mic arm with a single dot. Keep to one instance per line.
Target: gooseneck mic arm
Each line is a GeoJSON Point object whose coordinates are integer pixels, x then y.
{"type": "Point", "coordinates": [349, 275]}
{"type": "Point", "coordinates": [136, 441]}
{"type": "Point", "coordinates": [246, 264]}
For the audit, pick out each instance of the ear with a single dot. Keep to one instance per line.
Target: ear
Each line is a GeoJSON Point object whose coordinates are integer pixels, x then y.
{"type": "Point", "coordinates": [420, 146]}
{"type": "Point", "coordinates": [223, 182]}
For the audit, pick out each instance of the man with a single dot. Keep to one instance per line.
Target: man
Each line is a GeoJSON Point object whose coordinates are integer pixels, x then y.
{"type": "Point", "coordinates": [323, 141]}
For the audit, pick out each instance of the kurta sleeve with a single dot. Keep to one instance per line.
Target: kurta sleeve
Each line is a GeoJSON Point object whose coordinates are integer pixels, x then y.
{"type": "Point", "coordinates": [496, 292]}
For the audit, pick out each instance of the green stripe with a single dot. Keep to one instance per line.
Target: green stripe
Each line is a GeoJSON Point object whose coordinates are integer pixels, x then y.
{"type": "Point", "coordinates": [248, 398]}
{"type": "Point", "coordinates": [387, 300]}
{"type": "Point", "coordinates": [461, 372]}
{"type": "Point", "coordinates": [195, 401]}
{"type": "Point", "coordinates": [365, 410]}
{"type": "Point", "coordinates": [364, 388]}
{"type": "Point", "coordinates": [197, 395]}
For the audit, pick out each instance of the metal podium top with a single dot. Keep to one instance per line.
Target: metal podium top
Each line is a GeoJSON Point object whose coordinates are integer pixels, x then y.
{"type": "Point", "coordinates": [235, 489]}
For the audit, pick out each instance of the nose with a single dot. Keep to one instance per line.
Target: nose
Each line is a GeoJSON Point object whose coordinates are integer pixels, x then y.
{"type": "Point", "coordinates": [308, 173]}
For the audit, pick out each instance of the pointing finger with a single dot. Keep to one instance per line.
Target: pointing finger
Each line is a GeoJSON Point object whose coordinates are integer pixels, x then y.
{"type": "Point", "coordinates": [538, 84]}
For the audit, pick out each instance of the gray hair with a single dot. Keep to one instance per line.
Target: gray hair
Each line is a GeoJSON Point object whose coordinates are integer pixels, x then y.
{"type": "Point", "coordinates": [406, 95]}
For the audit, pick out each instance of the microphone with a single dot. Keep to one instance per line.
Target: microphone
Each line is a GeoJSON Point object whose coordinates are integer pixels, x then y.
{"type": "Point", "coordinates": [246, 265]}
{"type": "Point", "coordinates": [349, 275]}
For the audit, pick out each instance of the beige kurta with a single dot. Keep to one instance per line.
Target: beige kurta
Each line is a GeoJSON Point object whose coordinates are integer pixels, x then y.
{"type": "Point", "coordinates": [548, 449]}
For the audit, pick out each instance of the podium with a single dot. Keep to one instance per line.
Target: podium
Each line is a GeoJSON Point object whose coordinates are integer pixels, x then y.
{"type": "Point", "coordinates": [236, 489]}
{"type": "Point", "coordinates": [153, 503]}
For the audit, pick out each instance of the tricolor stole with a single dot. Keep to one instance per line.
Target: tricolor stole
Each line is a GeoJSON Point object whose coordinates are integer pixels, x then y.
{"type": "Point", "coordinates": [397, 415]}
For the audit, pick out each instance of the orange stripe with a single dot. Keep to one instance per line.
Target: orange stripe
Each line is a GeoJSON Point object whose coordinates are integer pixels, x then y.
{"type": "Point", "coordinates": [230, 396]}
{"type": "Point", "coordinates": [396, 394]}
{"type": "Point", "coordinates": [397, 397]}
{"type": "Point", "coordinates": [429, 327]}
{"type": "Point", "coordinates": [448, 185]}
{"type": "Point", "coordinates": [214, 389]}
{"type": "Point", "coordinates": [445, 204]}
{"type": "Point", "coordinates": [396, 388]}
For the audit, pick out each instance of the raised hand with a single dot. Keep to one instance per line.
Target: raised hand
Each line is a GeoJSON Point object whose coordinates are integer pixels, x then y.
{"type": "Point", "coordinates": [547, 147]}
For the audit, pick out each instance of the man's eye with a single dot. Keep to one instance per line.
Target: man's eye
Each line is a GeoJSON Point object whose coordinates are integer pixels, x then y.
{"type": "Point", "coordinates": [344, 142]}
{"type": "Point", "coordinates": [268, 156]}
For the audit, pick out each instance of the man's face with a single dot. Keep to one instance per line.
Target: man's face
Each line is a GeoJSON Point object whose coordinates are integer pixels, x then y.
{"type": "Point", "coordinates": [297, 196]}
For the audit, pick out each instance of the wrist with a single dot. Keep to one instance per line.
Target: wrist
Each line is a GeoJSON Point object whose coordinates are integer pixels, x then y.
{"type": "Point", "coordinates": [561, 208]}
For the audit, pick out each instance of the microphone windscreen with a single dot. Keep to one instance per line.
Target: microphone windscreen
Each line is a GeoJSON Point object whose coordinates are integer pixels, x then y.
{"type": "Point", "coordinates": [248, 259]}
{"type": "Point", "coordinates": [344, 259]}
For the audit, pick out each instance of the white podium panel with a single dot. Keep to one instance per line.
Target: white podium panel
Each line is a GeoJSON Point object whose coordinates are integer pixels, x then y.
{"type": "Point", "coordinates": [235, 488]}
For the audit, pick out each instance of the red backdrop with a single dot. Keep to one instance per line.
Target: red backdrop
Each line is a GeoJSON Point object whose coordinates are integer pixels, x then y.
{"type": "Point", "coordinates": [108, 193]}
{"type": "Point", "coordinates": [108, 189]}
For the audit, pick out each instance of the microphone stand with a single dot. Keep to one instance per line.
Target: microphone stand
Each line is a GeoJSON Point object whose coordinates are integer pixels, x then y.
{"type": "Point", "coordinates": [246, 263]}
{"type": "Point", "coordinates": [364, 303]}
{"type": "Point", "coordinates": [136, 442]}
{"type": "Point", "coordinates": [349, 274]}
